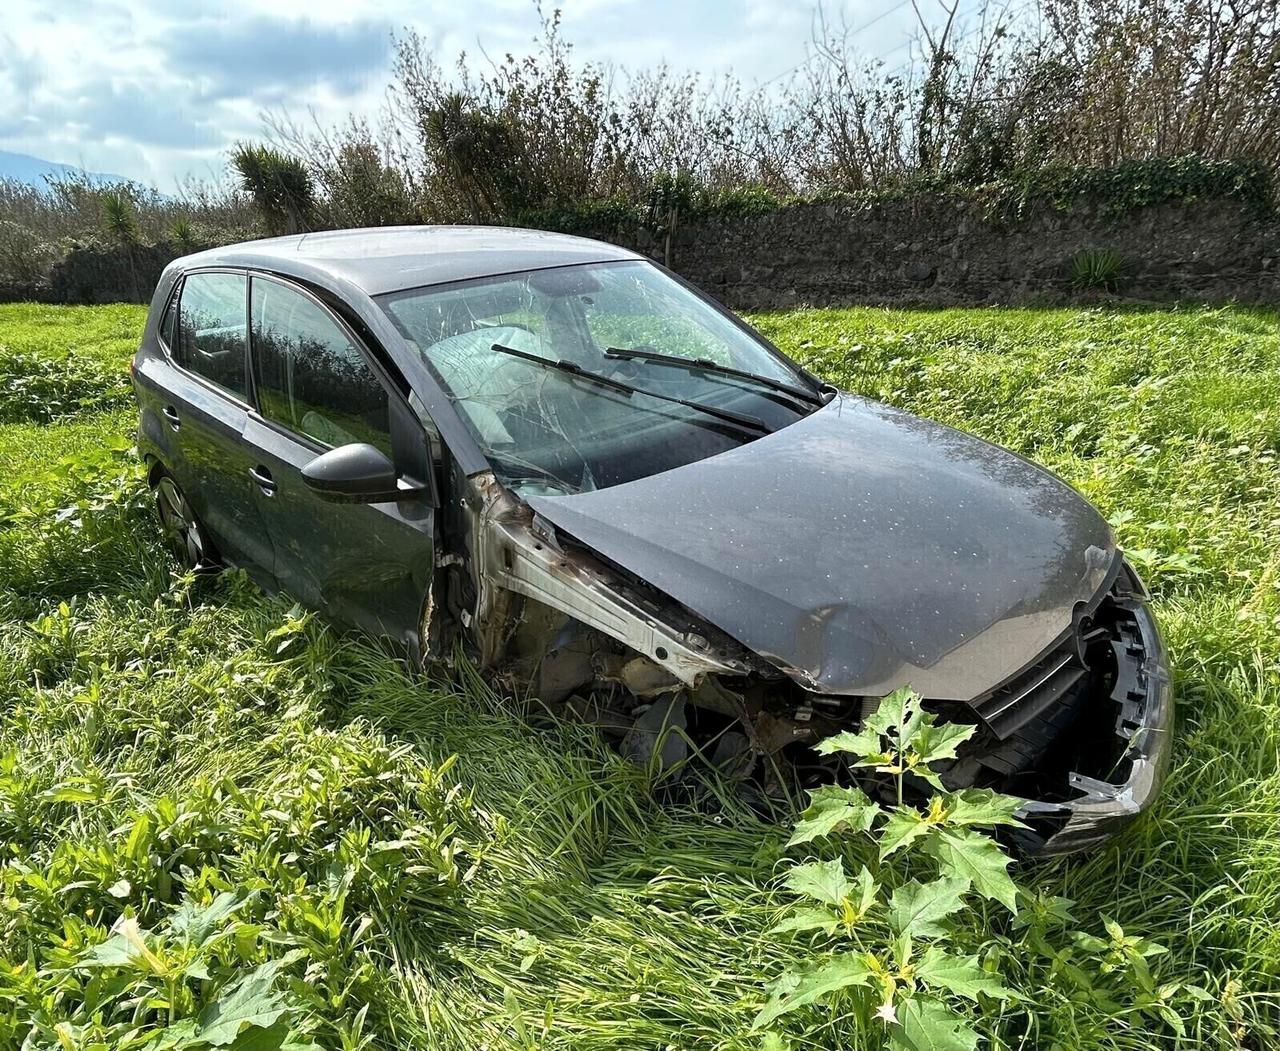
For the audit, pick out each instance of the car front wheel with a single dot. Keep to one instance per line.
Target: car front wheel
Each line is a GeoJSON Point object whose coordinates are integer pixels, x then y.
{"type": "Point", "coordinates": [183, 533]}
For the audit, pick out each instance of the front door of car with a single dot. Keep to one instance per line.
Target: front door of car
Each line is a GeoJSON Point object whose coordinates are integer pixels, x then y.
{"type": "Point", "coordinates": [205, 403]}
{"type": "Point", "coordinates": [366, 565]}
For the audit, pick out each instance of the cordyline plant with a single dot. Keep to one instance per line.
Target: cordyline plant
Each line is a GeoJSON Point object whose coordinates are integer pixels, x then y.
{"type": "Point", "coordinates": [909, 982]}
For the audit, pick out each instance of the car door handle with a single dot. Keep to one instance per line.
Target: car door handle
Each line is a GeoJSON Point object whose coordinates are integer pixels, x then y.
{"type": "Point", "coordinates": [171, 414]}
{"type": "Point", "coordinates": [263, 477]}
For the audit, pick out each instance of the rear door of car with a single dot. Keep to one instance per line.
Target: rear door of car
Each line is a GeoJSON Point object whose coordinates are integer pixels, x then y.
{"type": "Point", "coordinates": [317, 387]}
{"type": "Point", "coordinates": [205, 404]}
{"type": "Point", "coordinates": [154, 376]}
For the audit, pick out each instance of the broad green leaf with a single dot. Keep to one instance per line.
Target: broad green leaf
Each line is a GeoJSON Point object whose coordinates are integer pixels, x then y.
{"type": "Point", "coordinates": [866, 742]}
{"type": "Point", "coordinates": [904, 826]}
{"type": "Point", "coordinates": [898, 714]}
{"type": "Point", "coordinates": [74, 794]}
{"type": "Point", "coordinates": [845, 912]}
{"type": "Point", "coordinates": [807, 918]}
{"type": "Point", "coordinates": [249, 1002]}
{"type": "Point", "coordinates": [902, 947]}
{"type": "Point", "coordinates": [276, 1037]}
{"type": "Point", "coordinates": [982, 807]}
{"type": "Point", "coordinates": [181, 1035]}
{"type": "Point", "coordinates": [1172, 1019]}
{"type": "Point", "coordinates": [962, 975]}
{"type": "Point", "coordinates": [823, 881]}
{"type": "Point", "coordinates": [849, 970]}
{"type": "Point", "coordinates": [934, 741]}
{"type": "Point", "coordinates": [927, 1025]}
{"type": "Point", "coordinates": [926, 775]}
{"type": "Point", "coordinates": [831, 807]}
{"type": "Point", "coordinates": [279, 1037]}
{"type": "Point", "coordinates": [828, 795]}
{"type": "Point", "coordinates": [297, 1042]}
{"type": "Point", "coordinates": [977, 858]}
{"type": "Point", "coordinates": [195, 923]}
{"type": "Point", "coordinates": [918, 908]}
{"type": "Point", "coordinates": [135, 845]}
{"type": "Point", "coordinates": [127, 947]}
{"type": "Point", "coordinates": [867, 888]}
{"type": "Point", "coordinates": [116, 951]}
{"type": "Point", "coordinates": [886, 761]}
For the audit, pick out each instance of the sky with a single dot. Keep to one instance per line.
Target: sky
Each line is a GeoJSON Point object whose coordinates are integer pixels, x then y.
{"type": "Point", "coordinates": [159, 92]}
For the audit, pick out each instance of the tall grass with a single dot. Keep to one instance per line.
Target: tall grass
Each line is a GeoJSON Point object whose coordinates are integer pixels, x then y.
{"type": "Point", "coordinates": [533, 893]}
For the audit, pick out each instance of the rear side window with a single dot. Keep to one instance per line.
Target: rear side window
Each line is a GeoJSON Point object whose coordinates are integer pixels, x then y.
{"type": "Point", "coordinates": [169, 326]}
{"type": "Point", "coordinates": [212, 329]}
{"type": "Point", "coordinates": [310, 376]}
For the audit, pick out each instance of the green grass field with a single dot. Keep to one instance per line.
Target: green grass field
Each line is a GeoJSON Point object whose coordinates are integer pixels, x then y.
{"type": "Point", "coordinates": [396, 866]}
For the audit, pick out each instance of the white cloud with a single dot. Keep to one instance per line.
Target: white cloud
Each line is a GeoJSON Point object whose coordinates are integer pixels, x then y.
{"type": "Point", "coordinates": [156, 93]}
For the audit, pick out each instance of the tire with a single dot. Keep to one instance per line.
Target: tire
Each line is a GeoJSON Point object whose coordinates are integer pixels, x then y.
{"type": "Point", "coordinates": [183, 533]}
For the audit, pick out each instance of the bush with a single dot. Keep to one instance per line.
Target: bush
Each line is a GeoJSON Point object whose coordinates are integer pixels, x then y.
{"type": "Point", "coordinates": [894, 949]}
{"type": "Point", "coordinates": [1098, 269]}
{"type": "Point", "coordinates": [25, 259]}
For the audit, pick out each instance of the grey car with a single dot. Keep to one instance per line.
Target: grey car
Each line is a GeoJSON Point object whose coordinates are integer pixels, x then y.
{"type": "Point", "coordinates": [559, 459]}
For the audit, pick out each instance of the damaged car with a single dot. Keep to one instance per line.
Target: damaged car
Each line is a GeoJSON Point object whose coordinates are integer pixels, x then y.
{"type": "Point", "coordinates": [559, 459]}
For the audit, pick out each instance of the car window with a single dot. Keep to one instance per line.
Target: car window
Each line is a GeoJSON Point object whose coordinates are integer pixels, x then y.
{"type": "Point", "coordinates": [474, 308]}
{"type": "Point", "coordinates": [169, 326]}
{"type": "Point", "coordinates": [211, 330]}
{"type": "Point", "coordinates": [310, 376]}
{"type": "Point", "coordinates": [505, 349]}
{"type": "Point", "coordinates": [636, 309]}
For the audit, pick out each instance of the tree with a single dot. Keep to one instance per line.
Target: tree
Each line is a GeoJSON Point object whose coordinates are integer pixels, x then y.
{"type": "Point", "coordinates": [120, 223]}
{"type": "Point", "coordinates": [280, 186]}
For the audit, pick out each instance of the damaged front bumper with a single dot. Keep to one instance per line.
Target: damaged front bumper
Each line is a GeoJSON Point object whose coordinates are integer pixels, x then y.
{"type": "Point", "coordinates": [1082, 733]}
{"type": "Point", "coordinates": [1101, 804]}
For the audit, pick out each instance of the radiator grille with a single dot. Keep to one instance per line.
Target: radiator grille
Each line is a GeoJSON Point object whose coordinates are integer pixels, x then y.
{"type": "Point", "coordinates": [1027, 713]}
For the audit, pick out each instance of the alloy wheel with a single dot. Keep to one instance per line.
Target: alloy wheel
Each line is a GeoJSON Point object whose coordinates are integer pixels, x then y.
{"type": "Point", "coordinates": [182, 531]}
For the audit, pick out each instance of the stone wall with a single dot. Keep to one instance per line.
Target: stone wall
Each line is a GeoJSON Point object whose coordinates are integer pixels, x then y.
{"type": "Point", "coordinates": [102, 274]}
{"type": "Point", "coordinates": [928, 251]}
{"type": "Point", "coordinates": [96, 273]}
{"type": "Point", "coordinates": [937, 252]}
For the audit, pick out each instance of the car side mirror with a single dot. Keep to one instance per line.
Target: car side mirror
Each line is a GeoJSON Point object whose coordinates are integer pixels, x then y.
{"type": "Point", "coordinates": [358, 473]}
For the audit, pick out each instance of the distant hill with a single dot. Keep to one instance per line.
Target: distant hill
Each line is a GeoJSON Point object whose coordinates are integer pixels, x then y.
{"type": "Point", "coordinates": [32, 170]}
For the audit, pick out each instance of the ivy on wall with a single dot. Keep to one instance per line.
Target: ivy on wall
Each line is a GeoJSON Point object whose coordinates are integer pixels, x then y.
{"type": "Point", "coordinates": [1121, 189]}
{"type": "Point", "coordinates": [1138, 184]}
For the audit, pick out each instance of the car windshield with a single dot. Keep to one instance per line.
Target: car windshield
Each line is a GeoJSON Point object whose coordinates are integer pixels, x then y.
{"type": "Point", "coordinates": [583, 377]}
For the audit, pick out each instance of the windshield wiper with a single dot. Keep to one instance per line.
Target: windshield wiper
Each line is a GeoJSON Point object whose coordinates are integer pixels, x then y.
{"type": "Point", "coordinates": [576, 370]}
{"type": "Point", "coordinates": [713, 367]}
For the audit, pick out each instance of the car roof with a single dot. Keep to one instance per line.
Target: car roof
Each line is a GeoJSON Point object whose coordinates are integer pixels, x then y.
{"type": "Point", "coordinates": [391, 258]}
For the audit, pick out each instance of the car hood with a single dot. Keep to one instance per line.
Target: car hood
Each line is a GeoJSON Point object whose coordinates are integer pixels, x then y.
{"type": "Point", "coordinates": [861, 549]}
